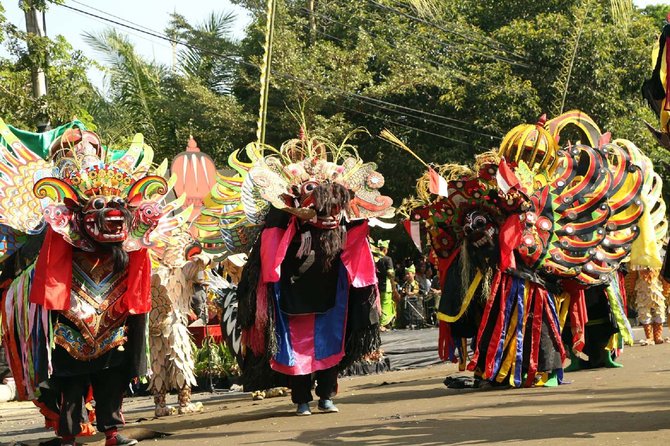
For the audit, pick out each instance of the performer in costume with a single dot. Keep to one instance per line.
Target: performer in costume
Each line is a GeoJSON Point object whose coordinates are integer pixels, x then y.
{"type": "Point", "coordinates": [645, 256]}
{"type": "Point", "coordinates": [653, 279]}
{"type": "Point", "coordinates": [521, 227]}
{"type": "Point", "coordinates": [83, 332]}
{"type": "Point", "coordinates": [180, 266]}
{"type": "Point", "coordinates": [385, 280]}
{"type": "Point", "coordinates": [311, 201]}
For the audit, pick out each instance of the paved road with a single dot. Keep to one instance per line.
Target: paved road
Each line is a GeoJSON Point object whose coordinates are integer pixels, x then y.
{"type": "Point", "coordinates": [599, 407]}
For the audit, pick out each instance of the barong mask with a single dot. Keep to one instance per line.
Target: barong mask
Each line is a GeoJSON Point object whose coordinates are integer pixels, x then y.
{"type": "Point", "coordinates": [569, 212]}
{"type": "Point", "coordinates": [317, 181]}
{"type": "Point", "coordinates": [480, 230]}
{"type": "Point", "coordinates": [181, 249]}
{"type": "Point", "coordinates": [90, 198]}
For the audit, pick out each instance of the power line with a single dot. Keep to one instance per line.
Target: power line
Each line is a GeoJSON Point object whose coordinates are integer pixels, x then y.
{"type": "Point", "coordinates": [346, 25]}
{"type": "Point", "coordinates": [131, 32]}
{"type": "Point", "coordinates": [373, 102]}
{"type": "Point", "coordinates": [410, 127]}
{"type": "Point", "coordinates": [430, 38]}
{"type": "Point", "coordinates": [486, 39]}
{"type": "Point", "coordinates": [460, 76]}
{"type": "Point", "coordinates": [111, 15]}
{"type": "Point", "coordinates": [456, 74]}
{"type": "Point", "coordinates": [243, 62]}
{"type": "Point", "coordinates": [361, 98]}
{"type": "Point", "coordinates": [338, 105]}
{"type": "Point", "coordinates": [451, 31]}
{"type": "Point", "coordinates": [389, 109]}
{"type": "Point", "coordinates": [150, 32]}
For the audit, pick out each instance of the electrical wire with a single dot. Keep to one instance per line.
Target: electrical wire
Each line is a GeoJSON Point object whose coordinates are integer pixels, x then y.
{"type": "Point", "coordinates": [484, 41]}
{"type": "Point", "coordinates": [460, 141]}
{"type": "Point", "coordinates": [111, 15]}
{"type": "Point", "coordinates": [361, 98]}
{"type": "Point", "coordinates": [458, 75]}
{"type": "Point", "coordinates": [451, 31]}
{"type": "Point", "coordinates": [451, 46]}
{"type": "Point", "coordinates": [356, 28]}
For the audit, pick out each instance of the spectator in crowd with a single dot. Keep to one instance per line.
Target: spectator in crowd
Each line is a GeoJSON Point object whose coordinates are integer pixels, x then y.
{"type": "Point", "coordinates": [410, 299]}
{"type": "Point", "coordinates": [385, 279]}
{"type": "Point", "coordinates": [432, 300]}
{"type": "Point", "coordinates": [424, 282]}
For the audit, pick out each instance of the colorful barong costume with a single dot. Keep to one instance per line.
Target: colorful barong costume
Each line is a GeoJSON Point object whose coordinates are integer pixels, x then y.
{"type": "Point", "coordinates": [73, 322]}
{"type": "Point", "coordinates": [180, 267]}
{"type": "Point", "coordinates": [308, 299]}
{"type": "Point", "coordinates": [646, 257]}
{"type": "Point", "coordinates": [652, 286]}
{"type": "Point", "coordinates": [519, 238]}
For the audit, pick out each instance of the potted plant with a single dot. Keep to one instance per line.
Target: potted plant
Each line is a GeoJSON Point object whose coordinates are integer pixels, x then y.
{"type": "Point", "coordinates": [215, 365]}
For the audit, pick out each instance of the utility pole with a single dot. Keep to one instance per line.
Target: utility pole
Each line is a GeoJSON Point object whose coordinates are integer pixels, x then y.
{"type": "Point", "coordinates": [312, 20]}
{"type": "Point", "coordinates": [266, 70]}
{"type": "Point", "coordinates": [36, 26]}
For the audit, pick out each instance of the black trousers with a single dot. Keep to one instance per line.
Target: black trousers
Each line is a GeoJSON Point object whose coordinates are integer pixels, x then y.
{"type": "Point", "coordinates": [301, 385]}
{"type": "Point", "coordinates": [108, 388]}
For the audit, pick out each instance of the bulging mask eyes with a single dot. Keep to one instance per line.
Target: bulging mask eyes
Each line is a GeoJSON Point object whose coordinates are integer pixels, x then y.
{"type": "Point", "coordinates": [119, 202]}
{"type": "Point", "coordinates": [98, 203]}
{"type": "Point", "coordinates": [308, 188]}
{"type": "Point", "coordinates": [479, 222]}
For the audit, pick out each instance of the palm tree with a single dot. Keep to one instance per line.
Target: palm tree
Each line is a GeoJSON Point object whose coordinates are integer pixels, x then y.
{"type": "Point", "coordinates": [208, 51]}
{"type": "Point", "coordinates": [135, 94]}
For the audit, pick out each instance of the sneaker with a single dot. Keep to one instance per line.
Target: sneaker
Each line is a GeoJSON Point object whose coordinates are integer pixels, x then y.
{"type": "Point", "coordinates": [120, 440]}
{"type": "Point", "coordinates": [327, 406]}
{"type": "Point", "coordinates": [303, 409]}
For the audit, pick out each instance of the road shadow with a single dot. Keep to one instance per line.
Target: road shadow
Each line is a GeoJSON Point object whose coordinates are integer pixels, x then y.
{"type": "Point", "coordinates": [554, 428]}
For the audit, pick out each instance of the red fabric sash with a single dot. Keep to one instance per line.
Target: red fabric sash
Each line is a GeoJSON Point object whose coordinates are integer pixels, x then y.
{"type": "Point", "coordinates": [274, 243]}
{"type": "Point", "coordinates": [510, 238]}
{"type": "Point", "coordinates": [52, 280]}
{"type": "Point", "coordinates": [445, 343]}
{"type": "Point", "coordinates": [622, 290]}
{"type": "Point", "coordinates": [538, 303]}
{"type": "Point", "coordinates": [485, 317]}
{"type": "Point", "coordinates": [577, 313]}
{"type": "Point", "coordinates": [357, 257]}
{"type": "Point", "coordinates": [443, 265]}
{"type": "Point", "coordinates": [137, 299]}
{"type": "Point", "coordinates": [496, 340]}
{"type": "Point", "coordinates": [578, 319]}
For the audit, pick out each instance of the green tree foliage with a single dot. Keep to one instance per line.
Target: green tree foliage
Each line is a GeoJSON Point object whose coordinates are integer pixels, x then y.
{"type": "Point", "coordinates": [657, 12]}
{"type": "Point", "coordinates": [210, 52]}
{"type": "Point", "coordinates": [448, 78]}
{"type": "Point", "coordinates": [476, 68]}
{"type": "Point", "coordinates": [168, 105]}
{"type": "Point", "coordinates": [69, 91]}
{"type": "Point", "coordinates": [481, 66]}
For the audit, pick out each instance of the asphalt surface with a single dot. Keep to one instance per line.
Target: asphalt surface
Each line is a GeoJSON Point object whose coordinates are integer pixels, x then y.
{"type": "Point", "coordinates": [627, 406]}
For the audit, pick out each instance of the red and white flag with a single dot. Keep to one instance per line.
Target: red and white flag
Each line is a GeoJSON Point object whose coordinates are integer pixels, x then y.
{"type": "Point", "coordinates": [413, 228]}
{"type": "Point", "coordinates": [506, 177]}
{"type": "Point", "coordinates": [438, 185]}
